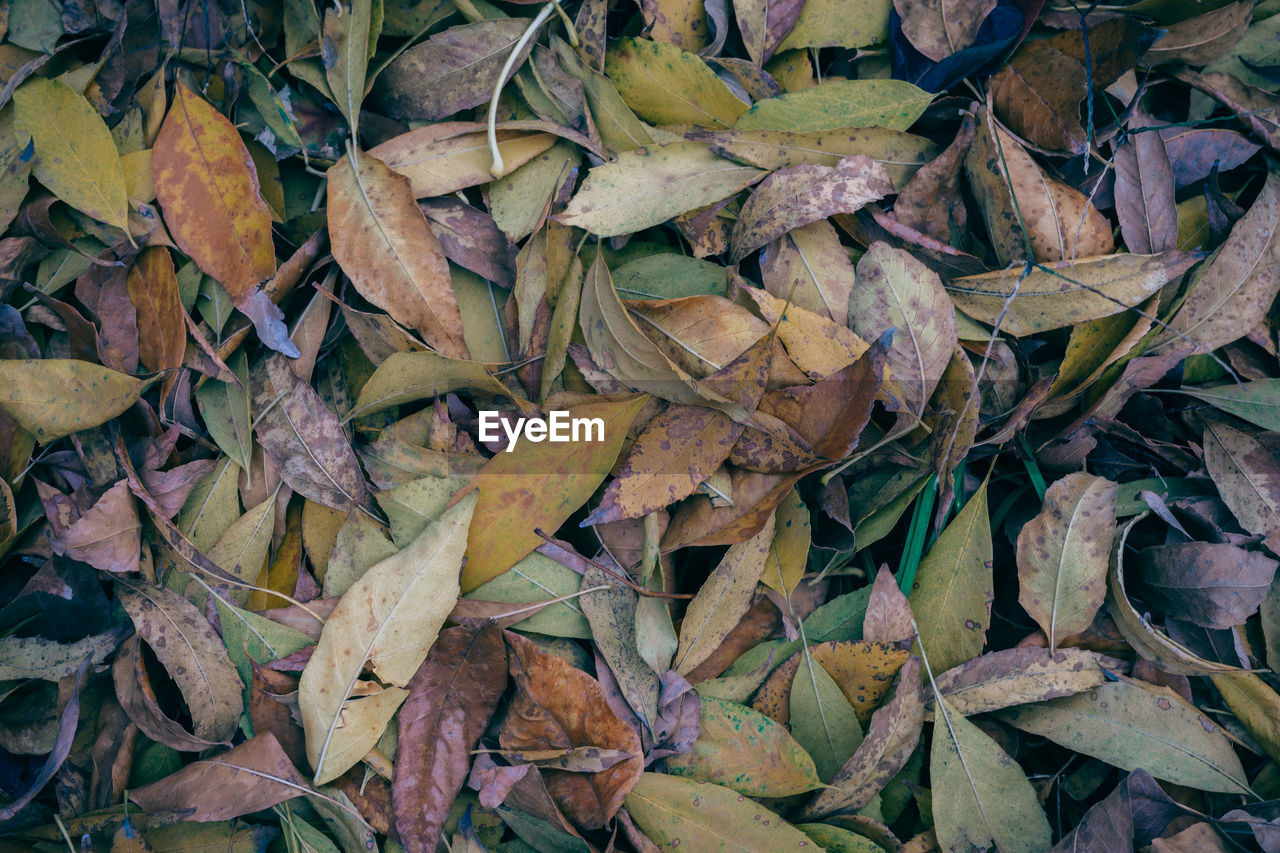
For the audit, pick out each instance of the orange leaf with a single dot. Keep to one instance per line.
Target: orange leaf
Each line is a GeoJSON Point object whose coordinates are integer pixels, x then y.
{"type": "Point", "coordinates": [208, 187]}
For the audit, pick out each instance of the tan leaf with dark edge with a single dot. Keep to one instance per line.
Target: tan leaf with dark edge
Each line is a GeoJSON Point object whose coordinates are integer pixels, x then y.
{"type": "Point", "coordinates": [1247, 477]}
{"type": "Point", "coordinates": [383, 242]}
{"type": "Point", "coordinates": [153, 289]}
{"type": "Point", "coordinates": [538, 486]}
{"type": "Point", "coordinates": [304, 438]}
{"type": "Point", "coordinates": [207, 185]}
{"type": "Point", "coordinates": [1055, 220]}
{"type": "Point", "coordinates": [1065, 293]}
{"type": "Point", "coordinates": [673, 455]}
{"type": "Point", "coordinates": [451, 697]}
{"type": "Point", "coordinates": [891, 739]}
{"type": "Point", "coordinates": [253, 776]}
{"type": "Point", "coordinates": [387, 621]}
{"type": "Point", "coordinates": [1021, 675]}
{"type": "Point", "coordinates": [1063, 554]}
{"type": "Point", "coordinates": [558, 706]}
{"type": "Point", "coordinates": [191, 653]}
{"type": "Point", "coordinates": [798, 195]}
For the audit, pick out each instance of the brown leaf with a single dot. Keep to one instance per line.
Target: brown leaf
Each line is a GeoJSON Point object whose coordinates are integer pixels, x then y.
{"type": "Point", "coordinates": [1247, 477]}
{"type": "Point", "coordinates": [304, 438]}
{"type": "Point", "coordinates": [931, 202]}
{"type": "Point", "coordinates": [888, 618]}
{"type": "Point", "coordinates": [558, 706]}
{"type": "Point", "coordinates": [939, 28]}
{"type": "Point", "coordinates": [383, 242]}
{"type": "Point", "coordinates": [208, 187]}
{"type": "Point", "coordinates": [451, 698]}
{"type": "Point", "coordinates": [108, 536]}
{"type": "Point", "coordinates": [450, 71]}
{"type": "Point", "coordinates": [799, 195]}
{"type": "Point", "coordinates": [445, 157]}
{"type": "Point", "coordinates": [192, 654]}
{"type": "Point", "coordinates": [676, 451]}
{"type": "Point", "coordinates": [1021, 675]}
{"type": "Point", "coordinates": [1038, 95]}
{"type": "Point", "coordinates": [1145, 203]}
{"type": "Point", "coordinates": [700, 522]}
{"type": "Point", "coordinates": [255, 775]}
{"type": "Point", "coordinates": [153, 289]}
{"type": "Point", "coordinates": [138, 698]}
{"type": "Point", "coordinates": [1213, 585]}
{"type": "Point", "coordinates": [1060, 223]}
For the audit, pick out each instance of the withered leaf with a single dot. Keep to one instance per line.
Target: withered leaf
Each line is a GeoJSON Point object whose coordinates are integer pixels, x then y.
{"type": "Point", "coordinates": [451, 697]}
{"type": "Point", "coordinates": [253, 776]}
{"type": "Point", "coordinates": [558, 706]}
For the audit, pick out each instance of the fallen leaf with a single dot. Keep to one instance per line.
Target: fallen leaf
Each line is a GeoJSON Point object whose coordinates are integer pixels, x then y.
{"type": "Point", "coordinates": [650, 185]}
{"type": "Point", "coordinates": [667, 85]}
{"type": "Point", "coordinates": [547, 482]}
{"type": "Point", "coordinates": [52, 398]}
{"type": "Point", "coordinates": [386, 621]}
{"type": "Point", "coordinates": [253, 776]}
{"type": "Point", "coordinates": [558, 706]}
{"type": "Point", "coordinates": [707, 817]}
{"type": "Point", "coordinates": [981, 795]}
{"type": "Point", "coordinates": [1126, 724]}
{"type": "Point", "coordinates": [1214, 585]}
{"type": "Point", "coordinates": [451, 697]}
{"type": "Point", "coordinates": [1063, 552]}
{"type": "Point", "coordinates": [383, 242]}
{"type": "Point", "coordinates": [746, 752]}
{"type": "Point", "coordinates": [191, 653]}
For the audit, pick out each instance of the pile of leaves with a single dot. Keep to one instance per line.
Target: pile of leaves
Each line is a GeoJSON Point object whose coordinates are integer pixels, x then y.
{"type": "Point", "coordinates": [930, 346]}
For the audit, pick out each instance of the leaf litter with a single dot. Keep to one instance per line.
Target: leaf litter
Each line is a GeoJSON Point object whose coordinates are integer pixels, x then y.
{"type": "Point", "coordinates": [931, 353]}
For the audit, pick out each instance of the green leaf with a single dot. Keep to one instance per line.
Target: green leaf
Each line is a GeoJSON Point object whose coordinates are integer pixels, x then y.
{"type": "Point", "coordinates": [1130, 725]}
{"type": "Point", "coordinates": [667, 85]}
{"type": "Point", "coordinates": [980, 795]}
{"type": "Point", "coordinates": [708, 818]}
{"type": "Point", "coordinates": [953, 589]}
{"type": "Point", "coordinates": [822, 720]}
{"type": "Point", "coordinates": [892, 104]}
{"type": "Point", "coordinates": [744, 750]}
{"type": "Point", "coordinates": [648, 186]}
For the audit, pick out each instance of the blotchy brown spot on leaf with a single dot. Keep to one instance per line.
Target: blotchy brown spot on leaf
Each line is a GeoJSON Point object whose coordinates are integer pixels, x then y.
{"type": "Point", "coordinates": [557, 707]}
{"type": "Point", "coordinates": [451, 698]}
